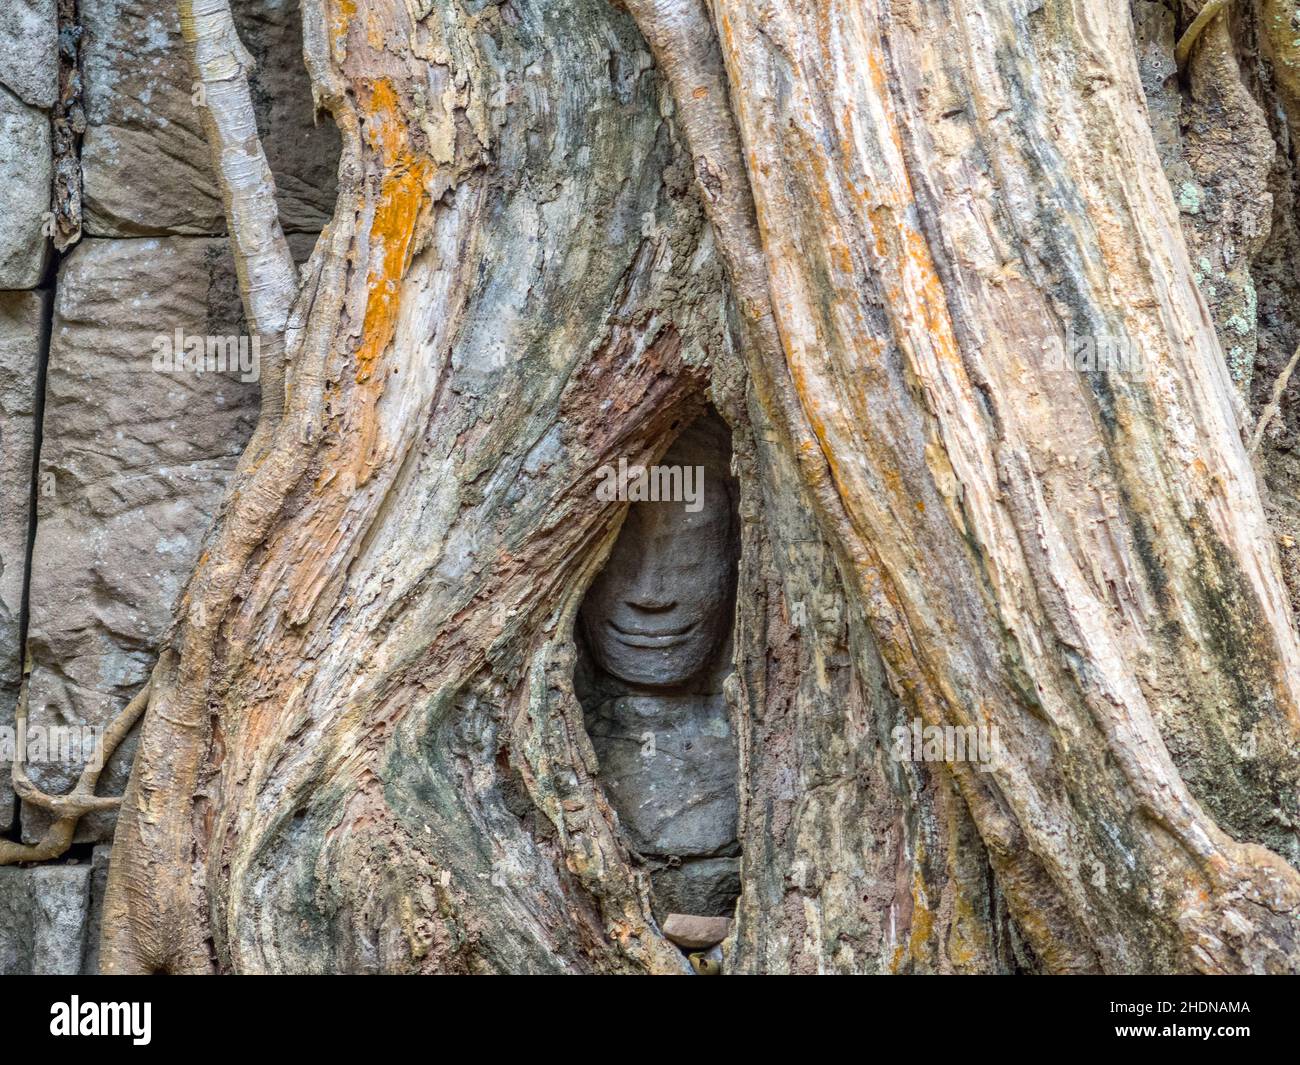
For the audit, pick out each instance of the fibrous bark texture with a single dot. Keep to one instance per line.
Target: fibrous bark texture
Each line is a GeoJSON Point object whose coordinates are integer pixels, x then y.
{"type": "Point", "coordinates": [561, 230]}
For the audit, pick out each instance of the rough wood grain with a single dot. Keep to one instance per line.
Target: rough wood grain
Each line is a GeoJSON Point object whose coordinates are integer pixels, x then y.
{"type": "Point", "coordinates": [363, 751]}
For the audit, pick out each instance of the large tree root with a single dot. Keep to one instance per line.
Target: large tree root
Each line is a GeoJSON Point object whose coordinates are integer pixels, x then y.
{"type": "Point", "coordinates": [152, 906]}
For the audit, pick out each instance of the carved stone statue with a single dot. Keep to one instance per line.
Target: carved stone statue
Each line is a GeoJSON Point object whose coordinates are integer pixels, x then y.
{"type": "Point", "coordinates": [656, 625]}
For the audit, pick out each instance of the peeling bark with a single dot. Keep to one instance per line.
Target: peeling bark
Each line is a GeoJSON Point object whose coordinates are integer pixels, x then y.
{"type": "Point", "coordinates": [1033, 533]}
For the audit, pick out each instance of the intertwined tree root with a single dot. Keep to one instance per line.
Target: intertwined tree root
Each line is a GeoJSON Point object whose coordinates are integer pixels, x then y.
{"type": "Point", "coordinates": [268, 284]}
{"type": "Point", "coordinates": [1274, 400]}
{"type": "Point", "coordinates": [68, 809]}
{"type": "Point", "coordinates": [1204, 17]}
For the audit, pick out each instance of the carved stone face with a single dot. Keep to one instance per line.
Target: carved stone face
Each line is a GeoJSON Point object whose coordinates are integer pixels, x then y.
{"type": "Point", "coordinates": [661, 608]}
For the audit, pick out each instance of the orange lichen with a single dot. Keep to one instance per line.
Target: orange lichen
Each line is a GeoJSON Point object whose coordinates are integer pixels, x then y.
{"type": "Point", "coordinates": [344, 12]}
{"type": "Point", "coordinates": [401, 196]}
{"type": "Point", "coordinates": [916, 921]}
{"type": "Point", "coordinates": [386, 132]}
{"type": "Point", "coordinates": [396, 214]}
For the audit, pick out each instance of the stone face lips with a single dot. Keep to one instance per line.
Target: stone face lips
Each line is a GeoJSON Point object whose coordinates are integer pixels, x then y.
{"type": "Point", "coordinates": [22, 326]}
{"type": "Point", "coordinates": [144, 157]}
{"type": "Point", "coordinates": [133, 465]}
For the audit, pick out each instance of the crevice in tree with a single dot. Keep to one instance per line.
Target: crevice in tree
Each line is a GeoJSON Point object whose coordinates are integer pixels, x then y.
{"type": "Point", "coordinates": [304, 208]}
{"type": "Point", "coordinates": [655, 650]}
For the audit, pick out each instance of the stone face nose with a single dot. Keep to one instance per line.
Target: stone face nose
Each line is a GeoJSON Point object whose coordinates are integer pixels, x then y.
{"type": "Point", "coordinates": [648, 604]}
{"type": "Point", "coordinates": [651, 589]}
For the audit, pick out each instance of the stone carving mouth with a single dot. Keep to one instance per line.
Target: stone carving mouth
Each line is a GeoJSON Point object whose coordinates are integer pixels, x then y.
{"type": "Point", "coordinates": [638, 636]}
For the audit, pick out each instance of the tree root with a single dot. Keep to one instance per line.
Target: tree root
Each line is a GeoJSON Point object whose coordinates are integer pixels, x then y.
{"type": "Point", "coordinates": [68, 809]}
{"type": "Point", "coordinates": [269, 283]}
{"type": "Point", "coordinates": [152, 898]}
{"type": "Point", "coordinates": [1274, 401]}
{"type": "Point", "coordinates": [1204, 17]}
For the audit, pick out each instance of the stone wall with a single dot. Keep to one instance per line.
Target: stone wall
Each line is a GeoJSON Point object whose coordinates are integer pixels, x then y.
{"type": "Point", "coordinates": [29, 84]}
{"type": "Point", "coordinates": [28, 88]}
{"type": "Point", "coordinates": [129, 462]}
{"type": "Point", "coordinates": [22, 346]}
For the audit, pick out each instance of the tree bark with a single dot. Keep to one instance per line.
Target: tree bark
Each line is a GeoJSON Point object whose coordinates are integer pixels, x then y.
{"type": "Point", "coordinates": [859, 230]}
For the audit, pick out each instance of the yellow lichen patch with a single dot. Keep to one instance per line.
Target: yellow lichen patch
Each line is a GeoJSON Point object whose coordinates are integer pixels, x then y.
{"type": "Point", "coordinates": [396, 214]}
{"type": "Point", "coordinates": [922, 930]}
{"type": "Point", "coordinates": [965, 933]}
{"type": "Point", "coordinates": [918, 946]}
{"type": "Point", "coordinates": [374, 31]}
{"type": "Point", "coordinates": [400, 198]}
{"type": "Point", "coordinates": [344, 11]}
{"type": "Point", "coordinates": [386, 132]}
{"type": "Point", "coordinates": [876, 70]}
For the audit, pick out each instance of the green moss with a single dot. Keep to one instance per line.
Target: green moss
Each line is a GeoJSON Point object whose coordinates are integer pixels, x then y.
{"type": "Point", "coordinates": [1189, 198]}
